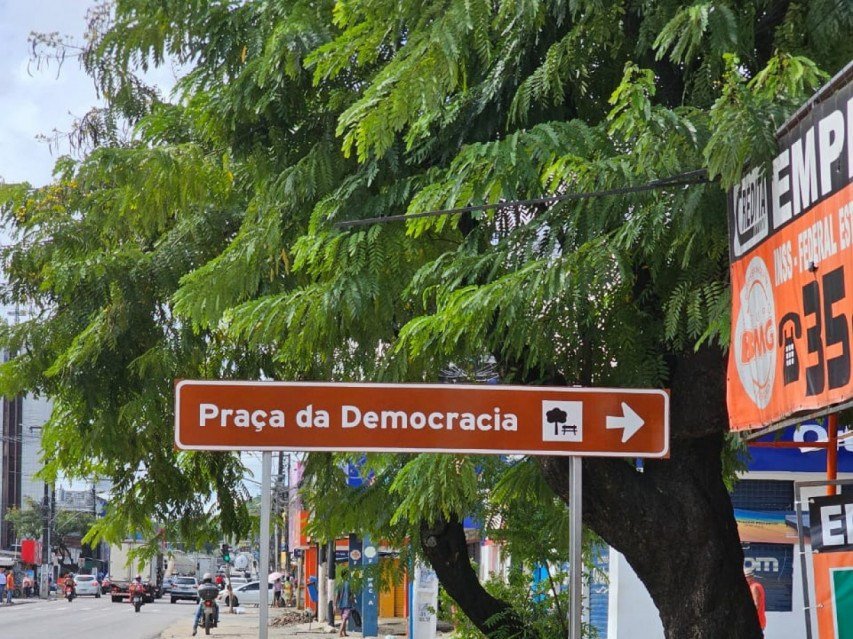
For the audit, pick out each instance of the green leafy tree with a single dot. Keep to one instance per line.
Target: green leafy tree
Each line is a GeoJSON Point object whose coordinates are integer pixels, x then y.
{"type": "Point", "coordinates": [201, 238]}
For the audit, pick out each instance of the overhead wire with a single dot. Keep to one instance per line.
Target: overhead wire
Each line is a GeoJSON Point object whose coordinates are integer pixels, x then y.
{"type": "Point", "coordinates": [698, 176]}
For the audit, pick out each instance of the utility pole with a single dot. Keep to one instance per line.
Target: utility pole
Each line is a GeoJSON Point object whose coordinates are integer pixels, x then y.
{"type": "Point", "coordinates": [331, 586]}
{"type": "Point", "coordinates": [264, 559]}
{"type": "Point", "coordinates": [95, 549]}
{"type": "Point", "coordinates": [287, 518]}
{"type": "Point", "coordinates": [321, 582]}
{"type": "Point", "coordinates": [51, 518]}
{"type": "Point", "coordinates": [44, 586]}
{"type": "Point", "coordinates": [280, 507]}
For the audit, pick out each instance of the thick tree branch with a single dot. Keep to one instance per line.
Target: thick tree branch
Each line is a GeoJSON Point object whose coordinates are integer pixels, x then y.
{"type": "Point", "coordinates": [444, 545]}
{"type": "Point", "coordinates": [676, 512]}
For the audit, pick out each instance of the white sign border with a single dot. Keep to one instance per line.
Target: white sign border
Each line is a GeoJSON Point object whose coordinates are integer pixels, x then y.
{"type": "Point", "coordinates": [662, 454]}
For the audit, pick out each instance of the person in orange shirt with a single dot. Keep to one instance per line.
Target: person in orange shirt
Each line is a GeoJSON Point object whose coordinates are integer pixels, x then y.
{"type": "Point", "coordinates": [10, 586]}
{"type": "Point", "coordinates": [758, 595]}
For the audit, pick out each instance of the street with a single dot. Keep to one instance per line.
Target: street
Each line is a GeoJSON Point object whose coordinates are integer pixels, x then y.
{"type": "Point", "coordinates": [89, 617]}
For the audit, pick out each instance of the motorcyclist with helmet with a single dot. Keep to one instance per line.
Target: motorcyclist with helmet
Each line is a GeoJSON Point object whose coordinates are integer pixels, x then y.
{"type": "Point", "coordinates": [206, 583]}
{"type": "Point", "coordinates": [70, 583]}
{"type": "Point", "coordinates": [136, 586]}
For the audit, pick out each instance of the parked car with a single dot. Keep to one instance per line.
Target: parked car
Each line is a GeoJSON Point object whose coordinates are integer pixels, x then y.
{"type": "Point", "coordinates": [87, 585]}
{"type": "Point", "coordinates": [238, 581]}
{"type": "Point", "coordinates": [184, 588]}
{"type": "Point", "coordinates": [167, 584]}
{"type": "Point", "coordinates": [246, 594]}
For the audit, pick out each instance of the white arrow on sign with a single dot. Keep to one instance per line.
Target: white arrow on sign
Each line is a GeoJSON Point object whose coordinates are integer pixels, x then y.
{"type": "Point", "coordinates": [629, 422]}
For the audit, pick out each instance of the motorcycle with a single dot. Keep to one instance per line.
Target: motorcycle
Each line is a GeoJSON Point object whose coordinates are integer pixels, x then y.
{"type": "Point", "coordinates": [136, 598]}
{"type": "Point", "coordinates": [207, 593]}
{"type": "Point", "coordinates": [69, 593]}
{"type": "Point", "coordinates": [208, 615]}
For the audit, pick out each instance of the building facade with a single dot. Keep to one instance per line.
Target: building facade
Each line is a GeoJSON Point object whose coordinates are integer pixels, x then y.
{"type": "Point", "coordinates": [22, 422]}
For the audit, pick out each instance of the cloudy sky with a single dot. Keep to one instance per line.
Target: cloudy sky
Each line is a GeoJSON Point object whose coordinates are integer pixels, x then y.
{"type": "Point", "coordinates": [34, 101]}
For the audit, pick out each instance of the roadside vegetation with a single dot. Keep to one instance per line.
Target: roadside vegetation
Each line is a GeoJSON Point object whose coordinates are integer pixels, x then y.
{"type": "Point", "coordinates": [206, 234]}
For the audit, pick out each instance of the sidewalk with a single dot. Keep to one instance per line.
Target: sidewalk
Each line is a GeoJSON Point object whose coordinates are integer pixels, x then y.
{"type": "Point", "coordinates": [17, 601]}
{"type": "Point", "coordinates": [245, 626]}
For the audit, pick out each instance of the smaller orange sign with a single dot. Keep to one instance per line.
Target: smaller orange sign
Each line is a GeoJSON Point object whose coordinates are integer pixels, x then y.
{"type": "Point", "coordinates": [454, 418]}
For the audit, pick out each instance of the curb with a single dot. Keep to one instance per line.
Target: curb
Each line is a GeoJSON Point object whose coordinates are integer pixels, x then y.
{"type": "Point", "coordinates": [245, 626]}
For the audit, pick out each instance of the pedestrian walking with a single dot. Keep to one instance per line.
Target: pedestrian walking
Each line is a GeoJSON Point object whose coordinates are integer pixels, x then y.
{"type": "Point", "coordinates": [287, 590]}
{"type": "Point", "coordinates": [3, 578]}
{"type": "Point", "coordinates": [344, 602]}
{"type": "Point", "coordinates": [276, 593]}
{"type": "Point", "coordinates": [10, 587]}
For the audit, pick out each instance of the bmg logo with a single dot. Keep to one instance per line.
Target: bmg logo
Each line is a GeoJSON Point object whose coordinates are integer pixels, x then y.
{"type": "Point", "coordinates": [754, 340]}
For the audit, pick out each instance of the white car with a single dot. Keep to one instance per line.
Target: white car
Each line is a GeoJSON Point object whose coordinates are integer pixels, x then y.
{"type": "Point", "coordinates": [238, 581]}
{"type": "Point", "coordinates": [87, 585]}
{"type": "Point", "coordinates": [184, 588]}
{"type": "Point", "coordinates": [246, 594]}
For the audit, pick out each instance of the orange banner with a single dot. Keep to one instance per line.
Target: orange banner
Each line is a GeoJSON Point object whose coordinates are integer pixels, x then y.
{"type": "Point", "coordinates": [791, 243]}
{"type": "Point", "coordinates": [456, 418]}
{"type": "Point", "coordinates": [792, 304]}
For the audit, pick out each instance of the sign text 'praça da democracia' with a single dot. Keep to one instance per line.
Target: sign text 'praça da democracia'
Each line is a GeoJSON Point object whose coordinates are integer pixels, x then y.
{"type": "Point", "coordinates": [243, 415]}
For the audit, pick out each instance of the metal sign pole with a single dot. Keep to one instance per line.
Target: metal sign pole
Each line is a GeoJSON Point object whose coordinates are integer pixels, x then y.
{"type": "Point", "coordinates": [801, 548]}
{"type": "Point", "coordinates": [575, 543]}
{"type": "Point", "coordinates": [264, 561]}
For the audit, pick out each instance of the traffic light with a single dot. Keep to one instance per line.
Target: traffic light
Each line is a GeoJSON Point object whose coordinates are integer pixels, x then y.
{"type": "Point", "coordinates": [226, 553]}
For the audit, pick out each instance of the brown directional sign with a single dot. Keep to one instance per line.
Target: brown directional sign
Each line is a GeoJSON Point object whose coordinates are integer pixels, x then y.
{"type": "Point", "coordinates": [452, 418]}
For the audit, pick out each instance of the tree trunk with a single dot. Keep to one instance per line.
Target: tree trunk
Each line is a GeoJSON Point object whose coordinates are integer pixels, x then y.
{"type": "Point", "coordinates": [446, 549]}
{"type": "Point", "coordinates": [673, 520]}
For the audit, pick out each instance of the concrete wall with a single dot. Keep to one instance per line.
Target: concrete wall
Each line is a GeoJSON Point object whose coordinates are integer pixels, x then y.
{"type": "Point", "coordinates": [631, 613]}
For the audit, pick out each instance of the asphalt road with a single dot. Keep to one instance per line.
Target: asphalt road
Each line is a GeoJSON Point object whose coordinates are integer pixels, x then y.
{"type": "Point", "coordinates": [87, 617]}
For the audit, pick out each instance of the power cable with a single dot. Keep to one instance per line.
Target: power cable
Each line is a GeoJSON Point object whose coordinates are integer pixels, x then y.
{"type": "Point", "coordinates": [698, 176]}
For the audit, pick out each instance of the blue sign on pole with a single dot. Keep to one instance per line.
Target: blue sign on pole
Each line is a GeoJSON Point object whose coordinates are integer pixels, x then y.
{"type": "Point", "coordinates": [370, 595]}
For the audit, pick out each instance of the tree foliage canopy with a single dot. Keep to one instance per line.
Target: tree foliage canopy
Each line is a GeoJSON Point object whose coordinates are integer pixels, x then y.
{"type": "Point", "coordinates": [204, 244]}
{"type": "Point", "coordinates": [28, 522]}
